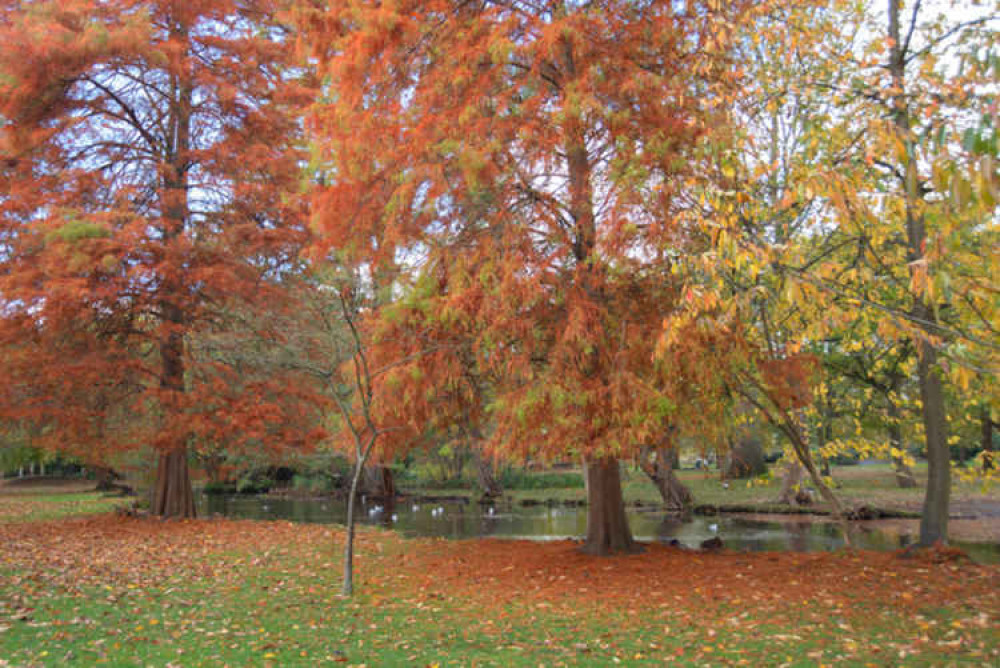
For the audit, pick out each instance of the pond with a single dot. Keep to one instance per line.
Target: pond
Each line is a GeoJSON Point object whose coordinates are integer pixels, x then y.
{"type": "Point", "coordinates": [457, 519]}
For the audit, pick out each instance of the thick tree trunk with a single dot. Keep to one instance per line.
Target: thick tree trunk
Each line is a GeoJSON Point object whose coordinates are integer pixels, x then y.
{"type": "Point", "coordinates": [607, 526]}
{"type": "Point", "coordinates": [172, 496]}
{"type": "Point", "coordinates": [676, 496]}
{"type": "Point", "coordinates": [379, 482]}
{"type": "Point", "coordinates": [904, 476]}
{"type": "Point", "coordinates": [487, 478]}
{"type": "Point", "coordinates": [934, 518]}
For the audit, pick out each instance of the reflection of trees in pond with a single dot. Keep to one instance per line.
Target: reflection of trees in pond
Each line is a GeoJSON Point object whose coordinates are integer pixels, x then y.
{"type": "Point", "coordinates": [455, 520]}
{"type": "Point", "coordinates": [388, 516]}
{"type": "Point", "coordinates": [488, 525]}
{"type": "Point", "coordinates": [798, 535]}
{"type": "Point", "coordinates": [669, 527]}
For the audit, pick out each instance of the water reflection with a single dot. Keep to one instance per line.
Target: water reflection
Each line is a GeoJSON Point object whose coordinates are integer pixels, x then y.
{"type": "Point", "coordinates": [453, 519]}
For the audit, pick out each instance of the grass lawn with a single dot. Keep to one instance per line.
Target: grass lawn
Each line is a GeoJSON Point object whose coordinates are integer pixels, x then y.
{"type": "Point", "coordinates": [33, 500]}
{"type": "Point", "coordinates": [122, 591]}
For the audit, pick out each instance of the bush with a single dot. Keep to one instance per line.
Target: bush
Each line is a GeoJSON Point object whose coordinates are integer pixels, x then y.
{"type": "Point", "coordinates": [516, 479]}
{"type": "Point", "coordinates": [313, 483]}
{"type": "Point", "coordinates": [218, 488]}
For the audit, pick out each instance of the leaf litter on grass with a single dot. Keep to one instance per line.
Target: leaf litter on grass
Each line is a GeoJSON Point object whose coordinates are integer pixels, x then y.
{"type": "Point", "coordinates": [121, 589]}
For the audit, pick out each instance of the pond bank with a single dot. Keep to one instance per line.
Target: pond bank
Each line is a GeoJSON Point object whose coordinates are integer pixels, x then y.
{"type": "Point", "coordinates": [458, 518]}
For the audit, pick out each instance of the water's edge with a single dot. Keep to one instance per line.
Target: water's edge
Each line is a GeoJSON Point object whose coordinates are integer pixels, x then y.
{"type": "Point", "coordinates": [461, 519]}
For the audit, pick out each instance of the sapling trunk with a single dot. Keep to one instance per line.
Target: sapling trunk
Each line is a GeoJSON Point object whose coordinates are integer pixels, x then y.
{"type": "Point", "coordinates": [348, 588]}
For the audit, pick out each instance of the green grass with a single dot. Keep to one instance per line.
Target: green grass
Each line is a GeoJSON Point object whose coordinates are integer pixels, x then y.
{"type": "Point", "coordinates": [54, 505]}
{"type": "Point", "coordinates": [108, 592]}
{"type": "Point", "coordinates": [286, 613]}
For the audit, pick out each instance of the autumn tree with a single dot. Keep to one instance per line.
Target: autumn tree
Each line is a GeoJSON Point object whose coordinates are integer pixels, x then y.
{"type": "Point", "coordinates": [147, 151]}
{"type": "Point", "coordinates": [737, 346]}
{"type": "Point", "coordinates": [919, 195]}
{"type": "Point", "coordinates": [572, 125]}
{"type": "Point", "coordinates": [893, 193]}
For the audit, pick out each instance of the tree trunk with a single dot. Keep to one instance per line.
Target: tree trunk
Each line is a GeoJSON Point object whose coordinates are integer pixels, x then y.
{"type": "Point", "coordinates": [790, 484]}
{"type": "Point", "coordinates": [607, 526]}
{"type": "Point", "coordinates": [106, 477]}
{"type": "Point", "coordinates": [379, 482]}
{"type": "Point", "coordinates": [934, 518]}
{"type": "Point", "coordinates": [172, 496]}
{"type": "Point", "coordinates": [676, 496]}
{"type": "Point", "coordinates": [172, 493]}
{"type": "Point", "coordinates": [789, 425]}
{"type": "Point", "coordinates": [348, 588]}
{"type": "Point", "coordinates": [988, 425]}
{"type": "Point", "coordinates": [826, 431]}
{"type": "Point", "coordinates": [487, 478]}
{"type": "Point", "coordinates": [904, 476]}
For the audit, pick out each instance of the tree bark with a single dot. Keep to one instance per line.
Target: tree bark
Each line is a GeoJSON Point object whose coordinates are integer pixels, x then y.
{"type": "Point", "coordinates": [172, 495]}
{"type": "Point", "coordinates": [607, 526]}
{"type": "Point", "coordinates": [790, 484]}
{"type": "Point", "coordinates": [487, 478]}
{"type": "Point", "coordinates": [934, 520]}
{"type": "Point", "coordinates": [904, 476]}
{"type": "Point", "coordinates": [986, 438]}
{"type": "Point", "coordinates": [379, 482]}
{"type": "Point", "coordinates": [348, 588]}
{"type": "Point", "coordinates": [675, 494]}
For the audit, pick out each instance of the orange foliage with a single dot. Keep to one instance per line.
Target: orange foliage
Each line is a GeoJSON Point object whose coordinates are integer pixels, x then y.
{"type": "Point", "coordinates": [146, 159]}
{"type": "Point", "coordinates": [521, 168]}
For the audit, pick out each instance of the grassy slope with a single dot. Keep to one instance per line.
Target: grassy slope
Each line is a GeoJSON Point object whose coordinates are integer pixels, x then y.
{"type": "Point", "coordinates": [129, 592]}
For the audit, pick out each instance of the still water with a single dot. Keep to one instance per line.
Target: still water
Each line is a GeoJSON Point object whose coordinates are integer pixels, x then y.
{"type": "Point", "coordinates": [453, 519]}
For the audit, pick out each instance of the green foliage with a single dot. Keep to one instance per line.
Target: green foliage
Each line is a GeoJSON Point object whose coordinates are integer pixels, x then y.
{"type": "Point", "coordinates": [75, 230]}
{"type": "Point", "coordinates": [314, 483]}
{"type": "Point", "coordinates": [520, 479]}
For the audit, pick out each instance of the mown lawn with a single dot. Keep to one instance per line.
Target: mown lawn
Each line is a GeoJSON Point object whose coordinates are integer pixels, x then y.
{"type": "Point", "coordinates": [122, 591]}
{"type": "Point", "coordinates": [47, 499]}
